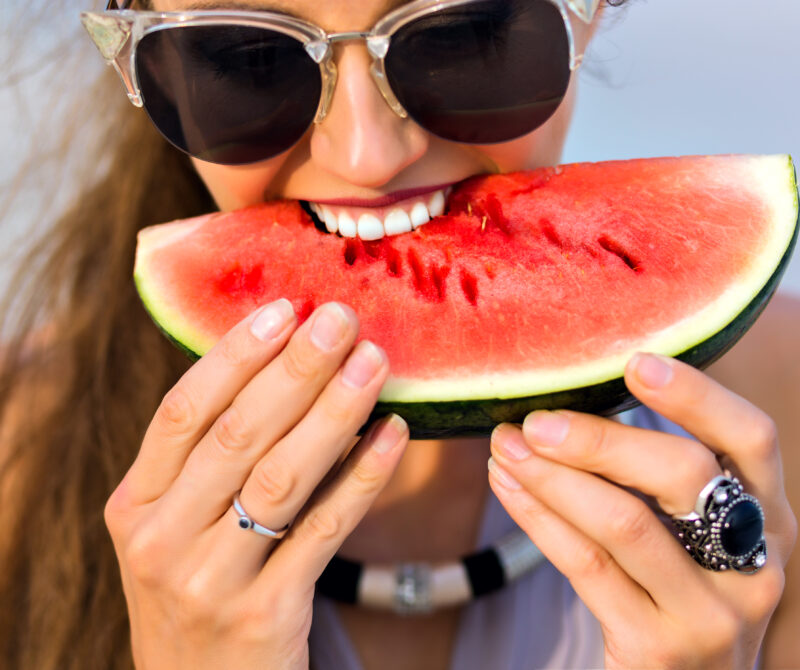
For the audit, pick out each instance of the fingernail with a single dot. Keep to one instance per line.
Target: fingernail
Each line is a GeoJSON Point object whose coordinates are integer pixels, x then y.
{"type": "Point", "coordinates": [363, 364]}
{"type": "Point", "coordinates": [502, 477]}
{"type": "Point", "coordinates": [510, 443]}
{"type": "Point", "coordinates": [389, 433]}
{"type": "Point", "coordinates": [548, 429]}
{"type": "Point", "coordinates": [272, 319]}
{"type": "Point", "coordinates": [330, 323]}
{"type": "Point", "coordinates": [652, 370]}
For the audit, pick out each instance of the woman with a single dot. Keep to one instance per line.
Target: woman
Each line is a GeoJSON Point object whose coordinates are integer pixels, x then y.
{"type": "Point", "coordinates": [201, 593]}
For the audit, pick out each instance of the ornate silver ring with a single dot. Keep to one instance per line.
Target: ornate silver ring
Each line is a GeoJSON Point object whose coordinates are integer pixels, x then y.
{"type": "Point", "coordinates": [725, 530]}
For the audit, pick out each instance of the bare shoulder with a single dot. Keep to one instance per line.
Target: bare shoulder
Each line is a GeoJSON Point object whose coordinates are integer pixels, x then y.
{"type": "Point", "coordinates": [764, 367]}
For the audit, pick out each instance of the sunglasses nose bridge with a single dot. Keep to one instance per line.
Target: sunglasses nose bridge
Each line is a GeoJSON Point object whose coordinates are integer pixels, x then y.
{"type": "Point", "coordinates": [377, 46]}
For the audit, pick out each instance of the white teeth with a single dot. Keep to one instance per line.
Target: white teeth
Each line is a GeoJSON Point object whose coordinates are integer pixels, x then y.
{"type": "Point", "coordinates": [419, 215]}
{"type": "Point", "coordinates": [347, 227]}
{"type": "Point", "coordinates": [370, 227]}
{"type": "Point", "coordinates": [368, 224]}
{"type": "Point", "coordinates": [436, 205]}
{"type": "Point", "coordinates": [397, 222]}
{"type": "Point", "coordinates": [330, 219]}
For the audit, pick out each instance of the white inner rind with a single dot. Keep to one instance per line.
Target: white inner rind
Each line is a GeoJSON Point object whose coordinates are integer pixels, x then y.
{"type": "Point", "coordinates": [773, 178]}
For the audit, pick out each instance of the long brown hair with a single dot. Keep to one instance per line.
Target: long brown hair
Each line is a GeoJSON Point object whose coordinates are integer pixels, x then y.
{"type": "Point", "coordinates": [81, 375]}
{"type": "Point", "coordinates": [82, 370]}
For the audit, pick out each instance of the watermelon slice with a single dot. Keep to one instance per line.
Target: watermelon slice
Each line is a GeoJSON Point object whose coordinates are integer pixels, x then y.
{"type": "Point", "coordinates": [532, 290]}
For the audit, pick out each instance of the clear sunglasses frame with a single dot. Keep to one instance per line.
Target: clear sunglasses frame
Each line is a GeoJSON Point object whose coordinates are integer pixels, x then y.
{"type": "Point", "coordinates": [117, 31]}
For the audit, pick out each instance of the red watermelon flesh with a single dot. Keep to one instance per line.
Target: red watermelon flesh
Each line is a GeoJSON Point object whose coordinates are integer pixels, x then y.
{"type": "Point", "coordinates": [530, 282]}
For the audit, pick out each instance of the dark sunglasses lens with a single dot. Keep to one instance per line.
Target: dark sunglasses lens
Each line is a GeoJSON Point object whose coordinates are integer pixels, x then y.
{"type": "Point", "coordinates": [482, 72]}
{"type": "Point", "coordinates": [228, 94]}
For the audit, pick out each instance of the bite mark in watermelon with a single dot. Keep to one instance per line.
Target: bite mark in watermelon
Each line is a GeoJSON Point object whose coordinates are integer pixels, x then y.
{"type": "Point", "coordinates": [532, 290]}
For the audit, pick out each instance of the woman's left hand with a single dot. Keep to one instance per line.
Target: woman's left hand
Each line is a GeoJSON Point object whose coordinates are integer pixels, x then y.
{"type": "Point", "coordinates": [574, 483]}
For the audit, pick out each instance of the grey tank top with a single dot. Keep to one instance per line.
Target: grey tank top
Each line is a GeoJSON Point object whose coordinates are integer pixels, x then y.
{"type": "Point", "coordinates": [536, 622]}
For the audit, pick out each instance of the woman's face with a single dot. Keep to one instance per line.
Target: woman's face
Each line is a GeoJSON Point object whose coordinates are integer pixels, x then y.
{"type": "Point", "coordinates": [362, 151]}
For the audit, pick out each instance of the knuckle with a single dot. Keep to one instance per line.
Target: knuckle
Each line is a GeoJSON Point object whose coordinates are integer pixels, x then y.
{"type": "Point", "coordinates": [693, 468]}
{"type": "Point", "coordinates": [324, 523]}
{"type": "Point", "coordinates": [235, 351]}
{"type": "Point", "coordinates": [762, 434]}
{"type": "Point", "coordinates": [630, 522]}
{"type": "Point", "coordinates": [764, 599]}
{"type": "Point", "coordinates": [116, 510]}
{"type": "Point", "coordinates": [596, 445]}
{"type": "Point", "coordinates": [365, 480]}
{"type": "Point", "coordinates": [274, 482]}
{"type": "Point", "coordinates": [231, 432]}
{"type": "Point", "coordinates": [297, 364]}
{"type": "Point", "coordinates": [791, 529]}
{"type": "Point", "coordinates": [144, 556]}
{"type": "Point", "coordinates": [177, 412]}
{"type": "Point", "coordinates": [338, 410]}
{"type": "Point", "coordinates": [718, 637]}
{"type": "Point", "coordinates": [195, 602]}
{"type": "Point", "coordinates": [591, 561]}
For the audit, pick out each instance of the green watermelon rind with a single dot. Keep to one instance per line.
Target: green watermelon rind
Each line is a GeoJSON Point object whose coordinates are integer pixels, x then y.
{"type": "Point", "coordinates": [607, 395]}
{"type": "Point", "coordinates": [433, 419]}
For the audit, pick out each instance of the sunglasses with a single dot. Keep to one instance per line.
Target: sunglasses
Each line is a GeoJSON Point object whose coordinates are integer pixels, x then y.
{"type": "Point", "coordinates": [237, 87]}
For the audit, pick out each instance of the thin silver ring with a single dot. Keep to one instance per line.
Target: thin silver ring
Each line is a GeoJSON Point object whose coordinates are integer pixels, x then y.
{"type": "Point", "coordinates": [246, 522]}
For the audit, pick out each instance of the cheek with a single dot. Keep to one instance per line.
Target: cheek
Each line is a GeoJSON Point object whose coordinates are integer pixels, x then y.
{"type": "Point", "coordinates": [233, 187]}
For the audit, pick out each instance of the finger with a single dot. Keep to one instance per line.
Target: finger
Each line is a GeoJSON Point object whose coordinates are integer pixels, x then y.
{"type": "Point", "coordinates": [334, 512]}
{"type": "Point", "coordinates": [204, 391]}
{"type": "Point", "coordinates": [725, 422]}
{"type": "Point", "coordinates": [670, 468]}
{"type": "Point", "coordinates": [603, 586]}
{"type": "Point", "coordinates": [617, 520]}
{"type": "Point", "coordinates": [284, 479]}
{"type": "Point", "coordinates": [262, 413]}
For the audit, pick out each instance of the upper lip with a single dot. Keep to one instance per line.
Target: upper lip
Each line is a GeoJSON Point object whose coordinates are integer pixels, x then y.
{"type": "Point", "coordinates": [384, 200]}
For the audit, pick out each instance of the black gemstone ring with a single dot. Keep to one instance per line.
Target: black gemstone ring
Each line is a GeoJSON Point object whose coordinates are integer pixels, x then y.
{"type": "Point", "coordinates": [726, 528]}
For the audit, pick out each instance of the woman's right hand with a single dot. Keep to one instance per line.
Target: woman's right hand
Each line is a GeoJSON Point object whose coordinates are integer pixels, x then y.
{"type": "Point", "coordinates": [270, 411]}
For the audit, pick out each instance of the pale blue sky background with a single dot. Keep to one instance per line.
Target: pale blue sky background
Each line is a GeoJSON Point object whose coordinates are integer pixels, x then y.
{"type": "Point", "coordinates": [663, 77]}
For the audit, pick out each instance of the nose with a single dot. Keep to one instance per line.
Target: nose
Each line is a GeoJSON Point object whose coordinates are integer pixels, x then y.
{"type": "Point", "coordinates": [361, 140]}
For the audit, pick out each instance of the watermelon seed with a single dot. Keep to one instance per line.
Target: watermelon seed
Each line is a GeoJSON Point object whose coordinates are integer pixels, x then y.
{"type": "Point", "coordinates": [495, 211]}
{"type": "Point", "coordinates": [615, 248]}
{"type": "Point", "coordinates": [429, 282]}
{"type": "Point", "coordinates": [440, 273]}
{"type": "Point", "coordinates": [372, 247]}
{"type": "Point", "coordinates": [550, 233]}
{"type": "Point", "coordinates": [394, 262]}
{"type": "Point", "coordinates": [469, 285]}
{"type": "Point", "coordinates": [416, 269]}
{"type": "Point", "coordinates": [350, 251]}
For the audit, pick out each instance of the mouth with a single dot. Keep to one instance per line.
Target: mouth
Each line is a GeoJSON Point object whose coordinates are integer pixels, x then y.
{"type": "Point", "coordinates": [382, 217]}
